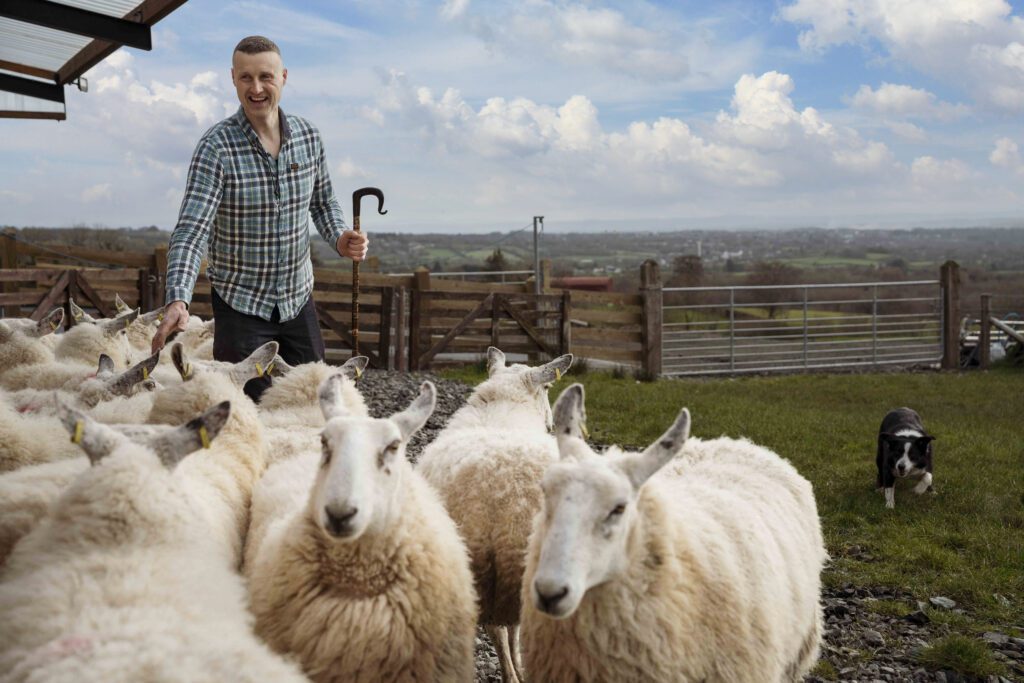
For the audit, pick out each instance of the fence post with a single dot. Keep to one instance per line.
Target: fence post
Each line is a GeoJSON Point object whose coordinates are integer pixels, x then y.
{"type": "Point", "coordinates": [650, 291]}
{"type": "Point", "coordinates": [545, 275]}
{"type": "Point", "coordinates": [401, 356]}
{"type": "Point", "coordinates": [160, 271]}
{"type": "Point", "coordinates": [565, 345]}
{"type": "Point", "coordinates": [10, 261]}
{"type": "Point", "coordinates": [418, 306]}
{"type": "Point", "coordinates": [985, 336]}
{"type": "Point", "coordinates": [949, 277]}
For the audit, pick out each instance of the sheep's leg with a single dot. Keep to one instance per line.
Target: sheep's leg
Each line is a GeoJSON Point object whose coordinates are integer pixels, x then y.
{"type": "Point", "coordinates": [499, 637]}
{"type": "Point", "coordinates": [517, 655]}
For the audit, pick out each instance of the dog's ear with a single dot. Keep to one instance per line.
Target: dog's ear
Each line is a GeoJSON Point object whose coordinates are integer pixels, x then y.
{"type": "Point", "coordinates": [925, 440]}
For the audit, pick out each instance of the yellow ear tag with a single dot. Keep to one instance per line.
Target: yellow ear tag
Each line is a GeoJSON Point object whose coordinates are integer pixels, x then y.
{"type": "Point", "coordinates": [558, 374]}
{"type": "Point", "coordinates": [54, 326]}
{"type": "Point", "coordinates": [145, 374]}
{"type": "Point", "coordinates": [159, 317]}
{"type": "Point", "coordinates": [270, 367]}
{"type": "Point", "coordinates": [188, 371]}
{"type": "Point", "coordinates": [359, 372]}
{"type": "Point", "coordinates": [204, 436]}
{"type": "Point", "coordinates": [583, 428]}
{"type": "Point", "coordinates": [77, 436]}
{"type": "Point", "coordinates": [78, 316]}
{"type": "Point", "coordinates": [259, 370]}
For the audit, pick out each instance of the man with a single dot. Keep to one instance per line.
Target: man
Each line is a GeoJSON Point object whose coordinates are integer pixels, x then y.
{"type": "Point", "coordinates": [254, 180]}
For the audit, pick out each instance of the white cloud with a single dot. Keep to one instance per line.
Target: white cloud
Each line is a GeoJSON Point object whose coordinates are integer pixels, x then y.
{"type": "Point", "coordinates": [1007, 155]}
{"type": "Point", "coordinates": [906, 101]}
{"type": "Point", "coordinates": [96, 193]}
{"type": "Point", "coordinates": [927, 171]}
{"type": "Point", "coordinates": [765, 116]}
{"type": "Point", "coordinates": [346, 168]}
{"type": "Point", "coordinates": [580, 34]}
{"type": "Point", "coordinates": [907, 131]}
{"type": "Point", "coordinates": [977, 45]}
{"type": "Point", "coordinates": [14, 196]}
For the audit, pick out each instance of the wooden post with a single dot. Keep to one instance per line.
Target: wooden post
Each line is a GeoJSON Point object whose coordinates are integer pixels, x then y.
{"type": "Point", "coordinates": [387, 296]}
{"type": "Point", "coordinates": [160, 271]}
{"type": "Point", "coordinates": [401, 345]}
{"type": "Point", "coordinates": [949, 277]}
{"type": "Point", "coordinates": [565, 339]}
{"type": "Point", "coordinates": [417, 312]}
{"type": "Point", "coordinates": [985, 336]}
{"type": "Point", "coordinates": [495, 322]}
{"type": "Point", "coordinates": [545, 275]}
{"type": "Point", "coordinates": [9, 261]}
{"type": "Point", "coordinates": [650, 290]}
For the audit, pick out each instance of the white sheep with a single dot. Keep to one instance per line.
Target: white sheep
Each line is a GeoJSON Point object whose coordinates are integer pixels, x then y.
{"type": "Point", "coordinates": [227, 474]}
{"type": "Point", "coordinates": [21, 341]}
{"type": "Point", "coordinates": [487, 464]}
{"type": "Point", "coordinates": [121, 583]}
{"type": "Point", "coordinates": [290, 407]}
{"type": "Point", "coordinates": [644, 568]}
{"type": "Point", "coordinates": [354, 567]}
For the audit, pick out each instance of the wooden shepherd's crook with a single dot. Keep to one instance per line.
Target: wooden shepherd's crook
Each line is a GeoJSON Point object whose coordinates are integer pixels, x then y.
{"type": "Point", "coordinates": [356, 196]}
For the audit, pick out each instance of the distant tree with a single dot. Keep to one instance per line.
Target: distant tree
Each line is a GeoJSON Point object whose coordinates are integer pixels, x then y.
{"type": "Point", "coordinates": [732, 266]}
{"type": "Point", "coordinates": [897, 264]}
{"type": "Point", "coordinates": [496, 261]}
{"type": "Point", "coordinates": [687, 271]}
{"type": "Point", "coordinates": [772, 274]}
{"type": "Point", "coordinates": [438, 267]}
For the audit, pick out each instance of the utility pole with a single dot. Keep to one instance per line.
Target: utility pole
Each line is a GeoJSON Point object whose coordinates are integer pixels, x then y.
{"type": "Point", "coordinates": [537, 285]}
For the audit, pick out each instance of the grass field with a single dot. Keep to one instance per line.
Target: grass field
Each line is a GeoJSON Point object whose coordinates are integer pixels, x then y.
{"type": "Point", "coordinates": [966, 542]}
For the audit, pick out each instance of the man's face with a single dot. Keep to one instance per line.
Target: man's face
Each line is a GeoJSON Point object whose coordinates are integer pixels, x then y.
{"type": "Point", "coordinates": [258, 79]}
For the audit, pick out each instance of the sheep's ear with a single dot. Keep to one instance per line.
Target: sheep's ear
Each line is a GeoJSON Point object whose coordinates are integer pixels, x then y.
{"type": "Point", "coordinates": [260, 362]}
{"type": "Point", "coordinates": [106, 367]}
{"type": "Point", "coordinates": [411, 419]}
{"type": "Point", "coordinates": [331, 403]}
{"type": "Point", "coordinates": [78, 314]}
{"type": "Point", "coordinates": [119, 305]}
{"type": "Point", "coordinates": [153, 317]}
{"type": "Point", "coordinates": [50, 323]}
{"type": "Point", "coordinates": [570, 413]}
{"type": "Point", "coordinates": [181, 362]}
{"type": "Point", "coordinates": [640, 466]}
{"type": "Point", "coordinates": [5, 331]}
{"type": "Point", "coordinates": [96, 439]}
{"type": "Point", "coordinates": [550, 372]}
{"type": "Point", "coordinates": [172, 446]}
{"type": "Point", "coordinates": [119, 324]}
{"type": "Point", "coordinates": [495, 360]}
{"type": "Point", "coordinates": [123, 384]}
{"type": "Point", "coordinates": [353, 367]}
{"type": "Point", "coordinates": [279, 367]}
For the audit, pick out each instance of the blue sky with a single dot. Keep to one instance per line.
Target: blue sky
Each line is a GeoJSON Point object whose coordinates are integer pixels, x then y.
{"type": "Point", "coordinates": [478, 114]}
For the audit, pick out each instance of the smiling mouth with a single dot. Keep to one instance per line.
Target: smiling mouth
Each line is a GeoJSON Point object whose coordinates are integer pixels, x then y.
{"type": "Point", "coordinates": [259, 100]}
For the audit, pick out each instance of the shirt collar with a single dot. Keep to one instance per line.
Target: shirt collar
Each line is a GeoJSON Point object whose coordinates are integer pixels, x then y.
{"type": "Point", "coordinates": [250, 132]}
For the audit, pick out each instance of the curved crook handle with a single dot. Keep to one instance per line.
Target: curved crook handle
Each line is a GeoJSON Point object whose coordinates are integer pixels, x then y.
{"type": "Point", "coordinates": [367, 191]}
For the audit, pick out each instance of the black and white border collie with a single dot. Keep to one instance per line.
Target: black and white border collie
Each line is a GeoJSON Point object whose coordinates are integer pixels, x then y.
{"type": "Point", "coordinates": [904, 450]}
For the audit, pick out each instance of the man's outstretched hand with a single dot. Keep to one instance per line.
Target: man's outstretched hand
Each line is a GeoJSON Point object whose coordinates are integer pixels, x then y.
{"type": "Point", "coordinates": [175, 320]}
{"type": "Point", "coordinates": [353, 245]}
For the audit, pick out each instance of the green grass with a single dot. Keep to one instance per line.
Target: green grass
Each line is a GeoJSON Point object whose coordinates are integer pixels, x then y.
{"type": "Point", "coordinates": [966, 542]}
{"type": "Point", "coordinates": [961, 654]}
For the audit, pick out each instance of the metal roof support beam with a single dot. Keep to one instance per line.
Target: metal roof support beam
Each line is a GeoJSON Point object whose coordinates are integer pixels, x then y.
{"type": "Point", "coordinates": [78, 21]}
{"type": "Point", "coordinates": [30, 88]}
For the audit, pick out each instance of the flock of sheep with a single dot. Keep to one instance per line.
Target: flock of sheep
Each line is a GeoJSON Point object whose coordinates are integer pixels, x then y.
{"type": "Point", "coordinates": [184, 533]}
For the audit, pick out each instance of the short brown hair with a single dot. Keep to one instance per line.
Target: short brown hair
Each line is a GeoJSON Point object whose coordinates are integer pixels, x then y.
{"type": "Point", "coordinates": [253, 45]}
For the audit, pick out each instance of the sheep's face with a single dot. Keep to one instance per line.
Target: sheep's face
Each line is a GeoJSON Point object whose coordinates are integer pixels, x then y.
{"type": "Point", "coordinates": [588, 516]}
{"type": "Point", "coordinates": [30, 328]}
{"type": "Point", "coordinates": [358, 486]}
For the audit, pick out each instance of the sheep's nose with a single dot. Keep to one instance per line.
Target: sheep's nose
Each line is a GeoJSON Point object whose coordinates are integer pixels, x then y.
{"type": "Point", "coordinates": [549, 595]}
{"type": "Point", "coordinates": [339, 519]}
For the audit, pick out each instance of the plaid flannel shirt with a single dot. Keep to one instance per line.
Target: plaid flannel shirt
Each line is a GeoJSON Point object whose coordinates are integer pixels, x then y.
{"type": "Point", "coordinates": [251, 216]}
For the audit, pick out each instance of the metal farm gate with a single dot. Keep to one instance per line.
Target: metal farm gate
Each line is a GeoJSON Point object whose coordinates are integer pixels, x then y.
{"type": "Point", "coordinates": [731, 330]}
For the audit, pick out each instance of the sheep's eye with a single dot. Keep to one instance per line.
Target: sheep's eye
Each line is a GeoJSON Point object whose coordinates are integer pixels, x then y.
{"type": "Point", "coordinates": [393, 446]}
{"type": "Point", "coordinates": [616, 512]}
{"type": "Point", "coordinates": [326, 449]}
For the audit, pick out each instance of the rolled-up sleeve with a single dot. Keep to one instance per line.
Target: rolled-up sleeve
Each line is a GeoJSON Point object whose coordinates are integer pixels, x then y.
{"type": "Point", "coordinates": [203, 191]}
{"type": "Point", "coordinates": [323, 206]}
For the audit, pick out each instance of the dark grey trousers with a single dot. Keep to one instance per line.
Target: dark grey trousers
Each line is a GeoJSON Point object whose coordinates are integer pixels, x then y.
{"type": "Point", "coordinates": [236, 335]}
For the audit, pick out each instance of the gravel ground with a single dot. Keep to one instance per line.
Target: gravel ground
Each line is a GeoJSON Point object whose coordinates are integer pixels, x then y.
{"type": "Point", "coordinates": [862, 644]}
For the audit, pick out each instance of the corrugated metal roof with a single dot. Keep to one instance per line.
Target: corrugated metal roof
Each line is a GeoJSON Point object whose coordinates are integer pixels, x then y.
{"type": "Point", "coordinates": [35, 55]}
